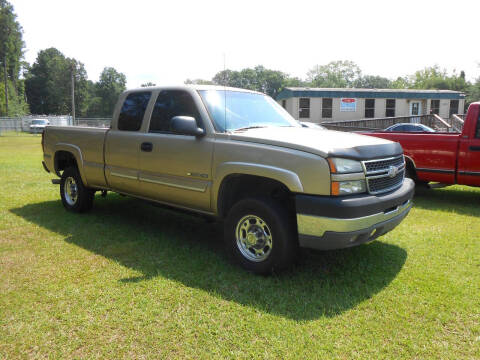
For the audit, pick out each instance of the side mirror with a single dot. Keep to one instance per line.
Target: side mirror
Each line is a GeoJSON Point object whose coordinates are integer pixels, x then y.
{"type": "Point", "coordinates": [186, 125]}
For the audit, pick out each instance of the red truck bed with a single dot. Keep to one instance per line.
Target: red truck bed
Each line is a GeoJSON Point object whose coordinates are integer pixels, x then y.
{"type": "Point", "coordinates": [450, 158]}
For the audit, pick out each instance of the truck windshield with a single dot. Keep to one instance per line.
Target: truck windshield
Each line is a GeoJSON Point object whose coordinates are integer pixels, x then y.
{"type": "Point", "coordinates": [244, 110]}
{"type": "Point", "coordinates": [39, 122]}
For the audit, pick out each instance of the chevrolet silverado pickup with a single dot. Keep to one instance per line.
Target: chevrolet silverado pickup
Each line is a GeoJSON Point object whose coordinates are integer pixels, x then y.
{"type": "Point", "coordinates": [237, 156]}
{"type": "Point", "coordinates": [447, 158]}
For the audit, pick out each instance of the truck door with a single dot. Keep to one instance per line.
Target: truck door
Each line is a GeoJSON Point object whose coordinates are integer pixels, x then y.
{"type": "Point", "coordinates": [469, 151]}
{"type": "Point", "coordinates": [175, 168]}
{"type": "Point", "coordinates": [122, 144]}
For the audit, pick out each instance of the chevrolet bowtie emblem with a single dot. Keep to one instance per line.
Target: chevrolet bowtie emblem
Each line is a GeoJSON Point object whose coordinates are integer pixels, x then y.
{"type": "Point", "coordinates": [392, 171]}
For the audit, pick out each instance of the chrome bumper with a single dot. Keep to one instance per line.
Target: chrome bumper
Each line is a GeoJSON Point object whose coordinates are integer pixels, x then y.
{"type": "Point", "coordinates": [325, 233]}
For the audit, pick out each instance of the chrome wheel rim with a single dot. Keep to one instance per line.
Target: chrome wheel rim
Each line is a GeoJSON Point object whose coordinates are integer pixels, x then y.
{"type": "Point", "coordinates": [254, 238]}
{"type": "Point", "coordinates": [70, 190]}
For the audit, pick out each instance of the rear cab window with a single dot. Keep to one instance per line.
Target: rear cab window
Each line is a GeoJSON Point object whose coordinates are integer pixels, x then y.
{"type": "Point", "coordinates": [133, 110]}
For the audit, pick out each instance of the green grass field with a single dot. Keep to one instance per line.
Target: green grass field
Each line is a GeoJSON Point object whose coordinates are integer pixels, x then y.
{"type": "Point", "coordinates": [130, 280]}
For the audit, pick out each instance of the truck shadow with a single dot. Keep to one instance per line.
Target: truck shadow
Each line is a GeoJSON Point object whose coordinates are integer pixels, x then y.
{"type": "Point", "coordinates": [464, 202]}
{"type": "Point", "coordinates": [160, 242]}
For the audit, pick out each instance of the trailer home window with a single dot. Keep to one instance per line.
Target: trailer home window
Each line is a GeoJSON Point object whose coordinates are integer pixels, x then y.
{"type": "Point", "coordinates": [435, 106]}
{"type": "Point", "coordinates": [369, 108]}
{"type": "Point", "coordinates": [453, 107]}
{"type": "Point", "coordinates": [304, 108]}
{"type": "Point", "coordinates": [390, 108]}
{"type": "Point", "coordinates": [327, 107]}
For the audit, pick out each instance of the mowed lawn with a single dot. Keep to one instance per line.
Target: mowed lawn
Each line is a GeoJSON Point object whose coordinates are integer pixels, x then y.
{"type": "Point", "coordinates": [130, 280]}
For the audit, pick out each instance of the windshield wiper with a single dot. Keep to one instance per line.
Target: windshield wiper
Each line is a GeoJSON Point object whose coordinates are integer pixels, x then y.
{"type": "Point", "coordinates": [251, 127]}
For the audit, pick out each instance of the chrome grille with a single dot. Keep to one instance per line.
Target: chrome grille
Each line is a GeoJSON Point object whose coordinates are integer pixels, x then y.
{"type": "Point", "coordinates": [380, 165]}
{"type": "Point", "coordinates": [384, 175]}
{"type": "Point", "coordinates": [383, 184]}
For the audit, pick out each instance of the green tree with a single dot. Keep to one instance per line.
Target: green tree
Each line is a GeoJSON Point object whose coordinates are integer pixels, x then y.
{"type": "Point", "coordinates": [198, 82]}
{"type": "Point", "coordinates": [270, 82]}
{"type": "Point", "coordinates": [106, 92]}
{"type": "Point", "coordinates": [473, 92]}
{"type": "Point", "coordinates": [335, 74]}
{"type": "Point", "coordinates": [436, 78]}
{"type": "Point", "coordinates": [372, 82]}
{"type": "Point", "coordinates": [48, 84]}
{"type": "Point", "coordinates": [401, 83]}
{"type": "Point", "coordinates": [11, 54]}
{"type": "Point", "coordinates": [82, 87]}
{"type": "Point", "coordinates": [227, 78]}
{"type": "Point", "coordinates": [294, 82]}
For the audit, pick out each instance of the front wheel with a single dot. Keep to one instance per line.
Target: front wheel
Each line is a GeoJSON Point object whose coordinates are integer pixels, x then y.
{"type": "Point", "coordinates": [75, 196]}
{"type": "Point", "coordinates": [260, 235]}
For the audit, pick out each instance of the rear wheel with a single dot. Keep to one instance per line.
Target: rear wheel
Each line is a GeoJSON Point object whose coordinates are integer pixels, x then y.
{"type": "Point", "coordinates": [75, 195]}
{"type": "Point", "coordinates": [260, 235]}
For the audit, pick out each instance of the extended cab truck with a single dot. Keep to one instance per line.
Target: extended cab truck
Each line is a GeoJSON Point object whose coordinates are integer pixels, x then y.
{"type": "Point", "coordinates": [447, 158]}
{"type": "Point", "coordinates": [238, 156]}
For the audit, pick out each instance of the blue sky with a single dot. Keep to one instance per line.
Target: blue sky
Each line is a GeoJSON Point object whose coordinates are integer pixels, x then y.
{"type": "Point", "coordinates": [169, 41]}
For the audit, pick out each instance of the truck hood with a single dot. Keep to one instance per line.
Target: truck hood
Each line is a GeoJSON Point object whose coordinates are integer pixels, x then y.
{"type": "Point", "coordinates": [326, 143]}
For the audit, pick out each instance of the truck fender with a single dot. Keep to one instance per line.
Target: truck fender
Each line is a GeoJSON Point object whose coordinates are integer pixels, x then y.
{"type": "Point", "coordinates": [408, 158]}
{"type": "Point", "coordinates": [77, 154]}
{"type": "Point", "coordinates": [286, 177]}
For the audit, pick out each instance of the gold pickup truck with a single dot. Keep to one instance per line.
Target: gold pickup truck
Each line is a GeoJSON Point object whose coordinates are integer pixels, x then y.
{"type": "Point", "coordinates": [238, 156]}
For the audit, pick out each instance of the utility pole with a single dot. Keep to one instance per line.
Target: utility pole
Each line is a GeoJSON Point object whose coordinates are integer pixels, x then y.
{"type": "Point", "coordinates": [73, 94]}
{"type": "Point", "coordinates": [6, 82]}
{"type": "Point", "coordinates": [7, 30]}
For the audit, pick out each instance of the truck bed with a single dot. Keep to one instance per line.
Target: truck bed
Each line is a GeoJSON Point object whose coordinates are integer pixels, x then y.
{"type": "Point", "coordinates": [88, 141]}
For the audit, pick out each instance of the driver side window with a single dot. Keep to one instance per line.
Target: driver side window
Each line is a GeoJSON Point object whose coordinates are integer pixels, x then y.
{"type": "Point", "coordinates": [171, 103]}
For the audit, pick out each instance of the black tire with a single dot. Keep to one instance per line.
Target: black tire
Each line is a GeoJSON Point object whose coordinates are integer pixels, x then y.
{"type": "Point", "coordinates": [77, 201]}
{"type": "Point", "coordinates": [411, 174]}
{"type": "Point", "coordinates": [267, 221]}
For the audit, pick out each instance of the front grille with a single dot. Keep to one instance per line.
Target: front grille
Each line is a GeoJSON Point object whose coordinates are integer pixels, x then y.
{"type": "Point", "coordinates": [384, 184]}
{"type": "Point", "coordinates": [384, 175]}
{"type": "Point", "coordinates": [381, 165]}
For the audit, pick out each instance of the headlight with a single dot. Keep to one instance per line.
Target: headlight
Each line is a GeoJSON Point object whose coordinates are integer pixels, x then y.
{"type": "Point", "coordinates": [348, 187]}
{"type": "Point", "coordinates": [342, 166]}
{"type": "Point", "coordinates": [347, 177]}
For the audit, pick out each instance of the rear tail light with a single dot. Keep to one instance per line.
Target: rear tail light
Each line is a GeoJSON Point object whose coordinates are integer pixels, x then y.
{"type": "Point", "coordinates": [43, 140]}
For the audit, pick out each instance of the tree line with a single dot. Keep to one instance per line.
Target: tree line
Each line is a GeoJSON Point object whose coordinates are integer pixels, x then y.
{"type": "Point", "coordinates": [44, 87]}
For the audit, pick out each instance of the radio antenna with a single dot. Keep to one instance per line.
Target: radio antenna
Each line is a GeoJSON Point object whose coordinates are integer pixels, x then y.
{"type": "Point", "coordinates": [225, 92]}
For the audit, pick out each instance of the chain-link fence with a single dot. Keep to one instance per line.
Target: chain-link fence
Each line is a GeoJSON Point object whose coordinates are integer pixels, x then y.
{"type": "Point", "coordinates": [32, 123]}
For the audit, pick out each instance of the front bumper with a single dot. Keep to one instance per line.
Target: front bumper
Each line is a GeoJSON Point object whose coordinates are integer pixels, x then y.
{"type": "Point", "coordinates": [326, 223]}
{"type": "Point", "coordinates": [36, 130]}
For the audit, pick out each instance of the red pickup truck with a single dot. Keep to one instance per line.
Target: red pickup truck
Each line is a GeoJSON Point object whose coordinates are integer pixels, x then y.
{"type": "Point", "coordinates": [448, 158]}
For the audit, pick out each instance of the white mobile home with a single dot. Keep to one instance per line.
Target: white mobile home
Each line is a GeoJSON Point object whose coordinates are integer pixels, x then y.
{"type": "Point", "coordinates": [329, 104]}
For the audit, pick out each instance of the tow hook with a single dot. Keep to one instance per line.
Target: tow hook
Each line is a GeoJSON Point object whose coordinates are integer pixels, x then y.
{"type": "Point", "coordinates": [56, 181]}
